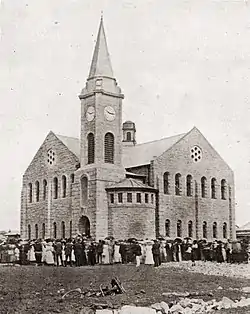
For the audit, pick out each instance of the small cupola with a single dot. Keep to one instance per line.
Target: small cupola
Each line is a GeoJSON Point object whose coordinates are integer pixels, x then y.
{"type": "Point", "coordinates": [129, 131]}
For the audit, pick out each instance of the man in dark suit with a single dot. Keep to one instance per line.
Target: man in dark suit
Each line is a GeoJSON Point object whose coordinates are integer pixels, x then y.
{"type": "Point", "coordinates": [156, 253]}
{"type": "Point", "coordinates": [58, 252]}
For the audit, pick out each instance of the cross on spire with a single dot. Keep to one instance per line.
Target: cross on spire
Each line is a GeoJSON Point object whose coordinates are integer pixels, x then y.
{"type": "Point", "coordinates": [101, 65]}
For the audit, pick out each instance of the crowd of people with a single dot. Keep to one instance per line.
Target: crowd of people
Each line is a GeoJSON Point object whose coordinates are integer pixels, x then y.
{"type": "Point", "coordinates": [82, 251]}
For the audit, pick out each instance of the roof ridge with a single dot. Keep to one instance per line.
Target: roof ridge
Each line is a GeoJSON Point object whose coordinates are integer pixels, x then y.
{"type": "Point", "coordinates": [161, 139]}
{"type": "Point", "coordinates": [76, 138]}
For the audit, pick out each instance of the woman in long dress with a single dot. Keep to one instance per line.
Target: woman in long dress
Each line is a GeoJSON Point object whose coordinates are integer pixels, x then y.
{"type": "Point", "coordinates": [117, 255]}
{"type": "Point", "coordinates": [149, 255]}
{"type": "Point", "coordinates": [31, 253]}
{"type": "Point", "coordinates": [105, 254]}
{"type": "Point", "coordinates": [49, 256]}
{"type": "Point", "coordinates": [163, 255]}
{"type": "Point", "coordinates": [143, 251]}
{"type": "Point", "coordinates": [43, 251]}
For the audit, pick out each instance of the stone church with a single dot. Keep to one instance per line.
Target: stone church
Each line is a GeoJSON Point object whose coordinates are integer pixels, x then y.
{"type": "Point", "coordinates": [105, 184]}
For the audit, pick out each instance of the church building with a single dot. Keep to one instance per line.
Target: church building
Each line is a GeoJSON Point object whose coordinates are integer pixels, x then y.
{"type": "Point", "coordinates": [105, 184]}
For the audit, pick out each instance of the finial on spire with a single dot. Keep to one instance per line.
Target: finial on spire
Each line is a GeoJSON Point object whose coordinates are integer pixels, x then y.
{"type": "Point", "coordinates": [101, 65]}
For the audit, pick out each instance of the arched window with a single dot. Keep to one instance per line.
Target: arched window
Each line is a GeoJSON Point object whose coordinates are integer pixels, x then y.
{"type": "Point", "coordinates": [36, 231]}
{"type": "Point", "coordinates": [167, 228]}
{"type": "Point", "coordinates": [128, 136]}
{"type": "Point", "coordinates": [29, 232]}
{"type": "Point", "coordinates": [91, 148]}
{"type": "Point", "coordinates": [30, 192]}
{"type": "Point", "coordinates": [43, 230]}
{"type": "Point", "coordinates": [109, 148]}
{"type": "Point", "coordinates": [223, 189]}
{"type": "Point", "coordinates": [63, 230]}
{"type": "Point", "coordinates": [178, 184]}
{"type": "Point", "coordinates": [70, 229]}
{"type": "Point", "coordinates": [204, 229]}
{"type": "Point", "coordinates": [213, 188]}
{"type": "Point", "coordinates": [215, 230]}
{"type": "Point", "coordinates": [64, 186]}
{"type": "Point", "coordinates": [55, 187]}
{"type": "Point", "coordinates": [166, 183]}
{"type": "Point", "coordinates": [44, 189]}
{"type": "Point", "coordinates": [54, 230]}
{"type": "Point", "coordinates": [72, 180]}
{"type": "Point", "coordinates": [84, 190]}
{"type": "Point", "coordinates": [37, 191]}
{"type": "Point", "coordinates": [189, 185]}
{"type": "Point", "coordinates": [225, 230]}
{"type": "Point", "coordinates": [203, 186]}
{"type": "Point", "coordinates": [179, 228]}
{"type": "Point", "coordinates": [190, 229]}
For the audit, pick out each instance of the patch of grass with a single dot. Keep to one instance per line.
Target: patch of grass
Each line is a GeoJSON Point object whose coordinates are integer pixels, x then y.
{"type": "Point", "coordinates": [31, 289]}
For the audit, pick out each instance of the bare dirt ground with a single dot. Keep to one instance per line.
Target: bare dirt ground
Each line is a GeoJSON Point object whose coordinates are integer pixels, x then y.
{"type": "Point", "coordinates": [31, 289]}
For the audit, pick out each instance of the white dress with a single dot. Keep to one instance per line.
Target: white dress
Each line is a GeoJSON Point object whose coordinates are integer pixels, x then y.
{"type": "Point", "coordinates": [43, 251]}
{"type": "Point", "coordinates": [105, 254]}
{"type": "Point", "coordinates": [31, 254]}
{"type": "Point", "coordinates": [49, 257]}
{"type": "Point", "coordinates": [117, 255]}
{"type": "Point", "coordinates": [149, 255]}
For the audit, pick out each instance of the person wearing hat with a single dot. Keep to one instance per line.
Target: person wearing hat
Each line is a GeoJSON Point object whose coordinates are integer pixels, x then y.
{"type": "Point", "coordinates": [38, 251]}
{"type": "Point", "coordinates": [68, 252]}
{"type": "Point", "coordinates": [156, 253]}
{"type": "Point", "coordinates": [58, 252]}
{"type": "Point", "coordinates": [136, 249]}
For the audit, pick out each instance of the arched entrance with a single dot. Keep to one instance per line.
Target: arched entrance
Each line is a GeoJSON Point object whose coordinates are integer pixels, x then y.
{"type": "Point", "coordinates": [84, 226]}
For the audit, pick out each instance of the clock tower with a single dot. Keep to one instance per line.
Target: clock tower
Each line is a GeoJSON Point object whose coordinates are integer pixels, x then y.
{"type": "Point", "coordinates": [101, 137]}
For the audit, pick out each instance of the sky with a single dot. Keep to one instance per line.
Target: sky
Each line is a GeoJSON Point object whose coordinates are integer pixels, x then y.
{"type": "Point", "coordinates": [180, 63]}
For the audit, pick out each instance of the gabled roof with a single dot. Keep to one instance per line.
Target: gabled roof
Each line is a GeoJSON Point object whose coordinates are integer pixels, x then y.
{"type": "Point", "coordinates": [72, 143]}
{"type": "Point", "coordinates": [101, 64]}
{"type": "Point", "coordinates": [245, 227]}
{"type": "Point", "coordinates": [138, 155]}
{"type": "Point", "coordinates": [130, 184]}
{"type": "Point", "coordinates": [142, 154]}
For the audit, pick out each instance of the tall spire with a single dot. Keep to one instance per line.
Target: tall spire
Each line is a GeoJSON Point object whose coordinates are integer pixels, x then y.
{"type": "Point", "coordinates": [101, 65]}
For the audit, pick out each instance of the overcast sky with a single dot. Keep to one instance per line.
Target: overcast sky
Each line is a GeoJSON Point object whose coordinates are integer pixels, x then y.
{"type": "Point", "coordinates": [179, 64]}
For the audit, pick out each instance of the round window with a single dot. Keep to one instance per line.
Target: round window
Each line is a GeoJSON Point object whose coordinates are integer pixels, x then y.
{"type": "Point", "coordinates": [196, 153]}
{"type": "Point", "coordinates": [51, 157]}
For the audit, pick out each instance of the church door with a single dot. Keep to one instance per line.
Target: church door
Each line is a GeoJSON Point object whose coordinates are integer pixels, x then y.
{"type": "Point", "coordinates": [84, 226]}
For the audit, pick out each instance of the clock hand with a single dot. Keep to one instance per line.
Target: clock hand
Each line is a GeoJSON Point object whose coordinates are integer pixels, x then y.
{"type": "Point", "coordinates": [110, 112]}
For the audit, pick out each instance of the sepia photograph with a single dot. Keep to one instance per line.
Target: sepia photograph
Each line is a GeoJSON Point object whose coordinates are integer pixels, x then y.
{"type": "Point", "coordinates": [125, 156]}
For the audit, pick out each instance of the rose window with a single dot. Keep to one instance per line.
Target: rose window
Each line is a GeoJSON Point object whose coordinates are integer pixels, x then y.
{"type": "Point", "coordinates": [51, 157]}
{"type": "Point", "coordinates": [196, 153]}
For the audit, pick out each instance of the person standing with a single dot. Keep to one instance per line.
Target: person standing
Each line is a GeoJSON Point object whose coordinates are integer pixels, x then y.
{"type": "Point", "coordinates": [194, 252]}
{"type": "Point", "coordinates": [156, 253]}
{"type": "Point", "coordinates": [149, 260]}
{"type": "Point", "coordinates": [58, 252]}
{"type": "Point", "coordinates": [137, 253]}
{"type": "Point", "coordinates": [78, 252]}
{"type": "Point", "coordinates": [229, 251]}
{"type": "Point", "coordinates": [68, 252]}
{"type": "Point", "coordinates": [38, 251]}
{"type": "Point", "coordinates": [49, 256]}
{"type": "Point", "coordinates": [111, 248]}
{"type": "Point", "coordinates": [123, 252]}
{"type": "Point", "coordinates": [91, 254]}
{"type": "Point", "coordinates": [99, 250]}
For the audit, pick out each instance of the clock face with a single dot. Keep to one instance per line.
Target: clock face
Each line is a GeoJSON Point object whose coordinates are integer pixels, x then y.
{"type": "Point", "coordinates": [109, 113]}
{"type": "Point", "coordinates": [90, 114]}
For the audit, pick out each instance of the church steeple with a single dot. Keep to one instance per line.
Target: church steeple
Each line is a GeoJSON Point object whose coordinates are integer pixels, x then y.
{"type": "Point", "coordinates": [101, 65]}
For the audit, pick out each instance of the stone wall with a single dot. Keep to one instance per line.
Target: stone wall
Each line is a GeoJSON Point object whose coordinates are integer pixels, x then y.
{"type": "Point", "coordinates": [127, 220]}
{"type": "Point", "coordinates": [173, 207]}
{"type": "Point", "coordinates": [48, 210]}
